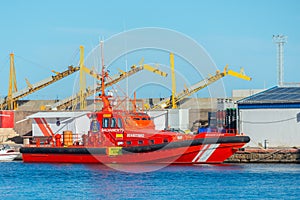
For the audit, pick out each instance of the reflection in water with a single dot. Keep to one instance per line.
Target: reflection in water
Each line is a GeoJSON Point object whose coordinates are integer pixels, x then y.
{"type": "Point", "coordinates": [142, 168]}
{"type": "Point", "coordinates": [129, 168]}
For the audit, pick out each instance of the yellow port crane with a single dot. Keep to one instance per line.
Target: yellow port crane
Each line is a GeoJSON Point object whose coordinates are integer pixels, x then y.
{"type": "Point", "coordinates": [86, 92]}
{"type": "Point", "coordinates": [176, 98]}
{"type": "Point", "coordinates": [9, 102]}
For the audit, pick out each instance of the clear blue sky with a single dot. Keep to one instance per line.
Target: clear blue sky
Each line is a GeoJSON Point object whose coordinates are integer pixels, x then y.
{"type": "Point", "coordinates": [45, 35]}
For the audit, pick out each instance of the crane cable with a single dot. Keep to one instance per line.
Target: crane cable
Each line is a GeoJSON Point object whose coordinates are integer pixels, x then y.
{"type": "Point", "coordinates": [269, 122]}
{"type": "Point", "coordinates": [32, 62]}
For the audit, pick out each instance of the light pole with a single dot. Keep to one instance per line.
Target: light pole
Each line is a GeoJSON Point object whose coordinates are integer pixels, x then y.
{"type": "Point", "coordinates": [280, 40]}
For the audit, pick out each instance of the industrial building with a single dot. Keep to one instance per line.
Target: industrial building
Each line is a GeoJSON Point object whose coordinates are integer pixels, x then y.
{"type": "Point", "coordinates": [272, 117]}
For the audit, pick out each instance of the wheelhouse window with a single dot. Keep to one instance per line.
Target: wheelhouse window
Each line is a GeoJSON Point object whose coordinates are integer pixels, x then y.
{"type": "Point", "coordinates": [140, 142]}
{"type": "Point", "coordinates": [128, 142]}
{"type": "Point", "coordinates": [120, 124]}
{"type": "Point", "coordinates": [105, 122]}
{"type": "Point", "coordinates": [127, 120]}
{"type": "Point", "coordinates": [113, 123]}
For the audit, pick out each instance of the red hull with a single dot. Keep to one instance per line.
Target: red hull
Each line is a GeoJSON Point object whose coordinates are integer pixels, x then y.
{"type": "Point", "coordinates": [206, 153]}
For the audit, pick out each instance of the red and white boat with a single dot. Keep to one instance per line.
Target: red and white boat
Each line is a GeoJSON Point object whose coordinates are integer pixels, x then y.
{"type": "Point", "coordinates": [141, 147]}
{"type": "Point", "coordinates": [118, 136]}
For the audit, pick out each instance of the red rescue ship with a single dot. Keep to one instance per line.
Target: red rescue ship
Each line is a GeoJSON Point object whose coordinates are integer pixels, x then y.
{"type": "Point", "coordinates": [129, 137]}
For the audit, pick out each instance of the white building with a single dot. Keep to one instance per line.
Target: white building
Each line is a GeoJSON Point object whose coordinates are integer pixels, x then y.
{"type": "Point", "coordinates": [272, 117]}
{"type": "Point", "coordinates": [51, 123]}
{"type": "Point", "coordinates": [170, 118]}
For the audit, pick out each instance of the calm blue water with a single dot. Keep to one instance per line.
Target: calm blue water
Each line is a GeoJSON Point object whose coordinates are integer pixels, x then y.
{"type": "Point", "coordinates": [69, 181]}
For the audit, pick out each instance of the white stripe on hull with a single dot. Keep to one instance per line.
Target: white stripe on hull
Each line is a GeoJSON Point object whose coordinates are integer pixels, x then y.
{"type": "Point", "coordinates": [208, 153]}
{"type": "Point", "coordinates": [205, 153]}
{"type": "Point", "coordinates": [200, 152]}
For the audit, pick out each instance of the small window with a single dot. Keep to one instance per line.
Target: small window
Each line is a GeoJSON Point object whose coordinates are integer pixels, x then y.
{"type": "Point", "coordinates": [57, 123]}
{"type": "Point", "coordinates": [113, 123]}
{"type": "Point", "coordinates": [128, 142]}
{"type": "Point", "coordinates": [166, 140]}
{"type": "Point", "coordinates": [144, 118]}
{"type": "Point", "coordinates": [151, 141]}
{"type": "Point", "coordinates": [140, 142]}
{"type": "Point", "coordinates": [105, 122]}
{"type": "Point", "coordinates": [136, 118]}
{"type": "Point", "coordinates": [120, 124]}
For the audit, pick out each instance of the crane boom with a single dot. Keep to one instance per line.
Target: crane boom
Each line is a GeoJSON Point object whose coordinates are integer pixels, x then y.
{"type": "Point", "coordinates": [174, 105]}
{"type": "Point", "coordinates": [200, 85]}
{"type": "Point", "coordinates": [70, 101]}
{"type": "Point", "coordinates": [91, 73]}
{"type": "Point", "coordinates": [37, 86]}
{"type": "Point", "coordinates": [82, 80]}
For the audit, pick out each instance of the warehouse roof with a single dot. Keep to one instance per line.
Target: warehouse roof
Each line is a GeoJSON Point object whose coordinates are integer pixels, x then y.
{"type": "Point", "coordinates": [274, 95]}
{"type": "Point", "coordinates": [57, 115]}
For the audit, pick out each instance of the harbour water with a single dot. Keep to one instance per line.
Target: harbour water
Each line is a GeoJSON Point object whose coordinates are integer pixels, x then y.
{"type": "Point", "coordinates": [78, 181]}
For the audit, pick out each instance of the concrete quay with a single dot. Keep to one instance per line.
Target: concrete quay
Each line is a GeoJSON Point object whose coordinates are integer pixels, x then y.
{"type": "Point", "coordinates": [270, 155]}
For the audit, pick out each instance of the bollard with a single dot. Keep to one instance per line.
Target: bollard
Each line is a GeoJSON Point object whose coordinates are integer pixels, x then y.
{"type": "Point", "coordinates": [265, 144]}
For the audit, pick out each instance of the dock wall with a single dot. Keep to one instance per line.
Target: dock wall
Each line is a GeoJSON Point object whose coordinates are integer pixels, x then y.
{"type": "Point", "coordinates": [272, 155]}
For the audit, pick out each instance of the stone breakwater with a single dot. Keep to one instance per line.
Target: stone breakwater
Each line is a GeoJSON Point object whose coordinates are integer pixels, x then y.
{"type": "Point", "coordinates": [270, 155]}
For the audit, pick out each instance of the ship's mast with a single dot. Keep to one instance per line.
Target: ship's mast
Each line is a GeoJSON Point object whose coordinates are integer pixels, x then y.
{"type": "Point", "coordinates": [103, 71]}
{"type": "Point", "coordinates": [106, 103]}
